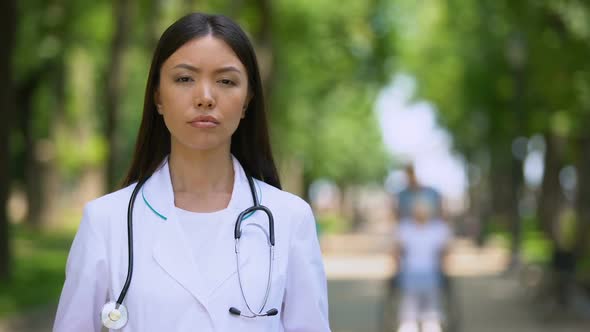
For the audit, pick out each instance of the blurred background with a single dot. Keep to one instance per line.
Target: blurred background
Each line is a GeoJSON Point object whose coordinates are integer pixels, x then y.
{"type": "Point", "coordinates": [489, 100]}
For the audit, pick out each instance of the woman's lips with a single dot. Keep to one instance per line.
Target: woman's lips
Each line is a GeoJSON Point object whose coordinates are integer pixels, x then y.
{"type": "Point", "coordinates": [203, 124]}
{"type": "Point", "coordinates": [204, 121]}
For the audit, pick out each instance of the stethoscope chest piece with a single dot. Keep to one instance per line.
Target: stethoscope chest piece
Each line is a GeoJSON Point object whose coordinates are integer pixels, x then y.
{"type": "Point", "coordinates": [113, 316]}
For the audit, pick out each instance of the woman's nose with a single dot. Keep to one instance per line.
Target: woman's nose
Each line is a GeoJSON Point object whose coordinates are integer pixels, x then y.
{"type": "Point", "coordinates": [204, 97]}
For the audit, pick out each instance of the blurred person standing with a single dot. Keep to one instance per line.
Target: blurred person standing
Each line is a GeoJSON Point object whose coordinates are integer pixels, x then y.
{"type": "Point", "coordinates": [420, 250]}
{"type": "Point", "coordinates": [414, 191]}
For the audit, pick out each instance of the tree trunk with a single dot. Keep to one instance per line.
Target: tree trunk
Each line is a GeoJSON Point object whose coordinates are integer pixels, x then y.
{"type": "Point", "coordinates": [500, 182]}
{"type": "Point", "coordinates": [264, 49]}
{"type": "Point", "coordinates": [583, 196]}
{"type": "Point", "coordinates": [517, 49]}
{"type": "Point", "coordinates": [42, 178]}
{"type": "Point", "coordinates": [8, 23]}
{"type": "Point", "coordinates": [293, 178]}
{"type": "Point", "coordinates": [153, 30]}
{"type": "Point", "coordinates": [32, 167]}
{"type": "Point", "coordinates": [474, 216]}
{"type": "Point", "coordinates": [516, 182]}
{"type": "Point", "coordinates": [115, 86]}
{"type": "Point", "coordinates": [49, 173]}
{"type": "Point", "coordinates": [506, 184]}
{"type": "Point", "coordinates": [550, 197]}
{"type": "Point", "coordinates": [358, 218]}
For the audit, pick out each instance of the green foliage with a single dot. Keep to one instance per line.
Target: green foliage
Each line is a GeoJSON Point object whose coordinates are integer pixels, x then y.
{"type": "Point", "coordinates": [327, 68]}
{"type": "Point", "coordinates": [322, 101]}
{"type": "Point", "coordinates": [39, 265]}
{"type": "Point", "coordinates": [467, 55]}
{"type": "Point", "coordinates": [536, 247]}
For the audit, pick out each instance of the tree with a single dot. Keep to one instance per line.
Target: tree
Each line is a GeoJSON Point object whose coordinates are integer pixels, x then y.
{"type": "Point", "coordinates": [115, 86]}
{"type": "Point", "coordinates": [328, 72]}
{"type": "Point", "coordinates": [7, 110]}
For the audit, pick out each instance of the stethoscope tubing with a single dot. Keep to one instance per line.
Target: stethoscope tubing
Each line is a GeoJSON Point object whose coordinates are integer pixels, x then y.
{"type": "Point", "coordinates": [268, 281]}
{"type": "Point", "coordinates": [130, 241]}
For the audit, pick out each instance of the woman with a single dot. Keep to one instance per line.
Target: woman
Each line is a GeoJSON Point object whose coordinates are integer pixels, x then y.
{"type": "Point", "coordinates": [203, 137]}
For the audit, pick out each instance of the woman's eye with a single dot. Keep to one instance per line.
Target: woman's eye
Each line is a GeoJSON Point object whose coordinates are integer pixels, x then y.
{"type": "Point", "coordinates": [184, 79]}
{"type": "Point", "coordinates": [227, 82]}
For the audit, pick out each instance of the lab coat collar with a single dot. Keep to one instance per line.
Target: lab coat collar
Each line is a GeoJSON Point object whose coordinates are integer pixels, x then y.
{"type": "Point", "coordinates": [158, 194]}
{"type": "Point", "coordinates": [172, 250]}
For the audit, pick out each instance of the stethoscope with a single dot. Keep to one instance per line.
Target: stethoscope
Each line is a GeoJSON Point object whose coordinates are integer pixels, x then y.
{"type": "Point", "coordinates": [114, 314]}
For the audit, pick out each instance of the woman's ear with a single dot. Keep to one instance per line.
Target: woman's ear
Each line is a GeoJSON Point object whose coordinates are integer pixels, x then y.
{"type": "Point", "coordinates": [157, 101]}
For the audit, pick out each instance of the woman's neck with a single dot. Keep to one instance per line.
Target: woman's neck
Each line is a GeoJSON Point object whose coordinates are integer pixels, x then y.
{"type": "Point", "coordinates": [202, 180]}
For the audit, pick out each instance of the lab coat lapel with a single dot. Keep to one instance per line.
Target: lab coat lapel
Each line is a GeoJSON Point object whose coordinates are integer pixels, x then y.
{"type": "Point", "coordinates": [171, 250]}
{"type": "Point", "coordinates": [222, 265]}
{"type": "Point", "coordinates": [173, 253]}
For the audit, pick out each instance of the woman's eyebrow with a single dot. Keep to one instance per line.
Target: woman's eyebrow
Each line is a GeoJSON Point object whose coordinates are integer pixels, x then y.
{"type": "Point", "coordinates": [228, 68]}
{"type": "Point", "coordinates": [187, 66]}
{"type": "Point", "coordinates": [219, 70]}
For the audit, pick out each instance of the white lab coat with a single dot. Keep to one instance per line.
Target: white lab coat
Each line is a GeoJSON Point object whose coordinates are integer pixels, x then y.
{"type": "Point", "coordinates": [169, 291]}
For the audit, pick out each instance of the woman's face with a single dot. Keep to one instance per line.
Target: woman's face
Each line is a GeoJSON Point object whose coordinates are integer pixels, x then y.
{"type": "Point", "coordinates": [203, 94]}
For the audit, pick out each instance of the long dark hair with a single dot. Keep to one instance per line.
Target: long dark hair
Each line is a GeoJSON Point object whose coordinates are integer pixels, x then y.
{"type": "Point", "coordinates": [249, 144]}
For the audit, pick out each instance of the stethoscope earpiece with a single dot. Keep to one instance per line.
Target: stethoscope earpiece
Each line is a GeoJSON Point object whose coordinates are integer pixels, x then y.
{"type": "Point", "coordinates": [114, 316]}
{"type": "Point", "coordinates": [272, 312]}
{"type": "Point", "coordinates": [237, 312]}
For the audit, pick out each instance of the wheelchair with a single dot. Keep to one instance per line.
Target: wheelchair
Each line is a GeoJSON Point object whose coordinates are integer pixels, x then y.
{"type": "Point", "coordinates": [389, 311]}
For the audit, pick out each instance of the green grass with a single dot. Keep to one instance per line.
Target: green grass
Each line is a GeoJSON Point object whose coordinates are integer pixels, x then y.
{"type": "Point", "coordinates": [39, 260]}
{"type": "Point", "coordinates": [535, 246]}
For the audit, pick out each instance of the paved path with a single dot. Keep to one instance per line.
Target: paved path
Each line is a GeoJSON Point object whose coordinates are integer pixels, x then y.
{"type": "Point", "coordinates": [488, 304]}
{"type": "Point", "coordinates": [488, 301]}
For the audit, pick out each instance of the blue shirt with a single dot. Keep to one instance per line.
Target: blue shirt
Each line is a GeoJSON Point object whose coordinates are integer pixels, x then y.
{"type": "Point", "coordinates": [422, 246]}
{"type": "Point", "coordinates": [408, 196]}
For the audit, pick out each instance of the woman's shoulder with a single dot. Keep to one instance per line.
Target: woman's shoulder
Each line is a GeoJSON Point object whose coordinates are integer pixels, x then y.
{"type": "Point", "coordinates": [111, 202]}
{"type": "Point", "coordinates": [100, 214]}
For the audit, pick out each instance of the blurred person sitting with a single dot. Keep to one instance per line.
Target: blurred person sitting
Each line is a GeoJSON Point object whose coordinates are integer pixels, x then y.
{"type": "Point", "coordinates": [415, 190]}
{"type": "Point", "coordinates": [421, 246]}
